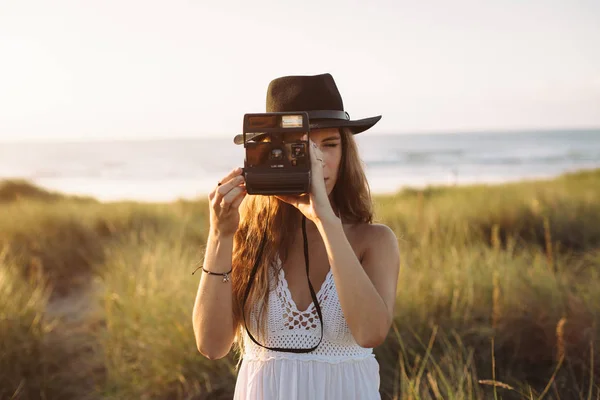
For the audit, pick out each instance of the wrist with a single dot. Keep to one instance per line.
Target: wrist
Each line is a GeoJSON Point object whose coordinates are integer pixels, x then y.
{"type": "Point", "coordinates": [328, 221]}
{"type": "Point", "coordinates": [216, 234]}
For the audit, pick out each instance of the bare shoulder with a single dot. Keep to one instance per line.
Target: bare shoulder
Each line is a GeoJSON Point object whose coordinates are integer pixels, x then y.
{"type": "Point", "coordinates": [376, 239]}
{"type": "Point", "coordinates": [379, 231]}
{"type": "Point", "coordinates": [380, 259]}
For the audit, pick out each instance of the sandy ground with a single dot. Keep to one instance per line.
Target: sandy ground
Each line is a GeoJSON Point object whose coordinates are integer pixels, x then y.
{"type": "Point", "coordinates": [76, 322]}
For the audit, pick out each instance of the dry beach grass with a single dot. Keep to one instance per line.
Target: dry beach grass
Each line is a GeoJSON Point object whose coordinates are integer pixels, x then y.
{"type": "Point", "coordinates": [498, 295]}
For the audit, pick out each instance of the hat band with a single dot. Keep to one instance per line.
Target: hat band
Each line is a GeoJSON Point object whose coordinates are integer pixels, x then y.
{"type": "Point", "coordinates": [328, 114]}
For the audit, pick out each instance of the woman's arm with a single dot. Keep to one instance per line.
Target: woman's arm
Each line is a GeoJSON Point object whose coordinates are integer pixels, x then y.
{"type": "Point", "coordinates": [213, 315]}
{"type": "Point", "coordinates": [367, 291]}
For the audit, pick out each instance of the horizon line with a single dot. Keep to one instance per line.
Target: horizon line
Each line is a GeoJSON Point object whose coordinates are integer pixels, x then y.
{"type": "Point", "coordinates": [381, 133]}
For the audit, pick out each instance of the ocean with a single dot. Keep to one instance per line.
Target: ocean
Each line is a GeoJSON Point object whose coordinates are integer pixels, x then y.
{"type": "Point", "coordinates": [165, 170]}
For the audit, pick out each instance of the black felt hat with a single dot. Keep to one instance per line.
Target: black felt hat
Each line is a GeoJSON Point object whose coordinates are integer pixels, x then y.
{"type": "Point", "coordinates": [319, 96]}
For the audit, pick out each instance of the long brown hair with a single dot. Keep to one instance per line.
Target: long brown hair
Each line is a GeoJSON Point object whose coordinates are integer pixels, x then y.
{"type": "Point", "coordinates": [351, 199]}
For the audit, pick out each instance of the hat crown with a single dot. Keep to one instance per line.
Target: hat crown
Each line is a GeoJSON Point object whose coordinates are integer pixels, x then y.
{"type": "Point", "coordinates": [303, 93]}
{"type": "Point", "coordinates": [317, 95]}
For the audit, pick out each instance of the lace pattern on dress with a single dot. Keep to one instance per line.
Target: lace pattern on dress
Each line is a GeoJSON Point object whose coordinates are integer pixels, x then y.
{"type": "Point", "coordinates": [288, 327]}
{"type": "Point", "coordinates": [294, 318]}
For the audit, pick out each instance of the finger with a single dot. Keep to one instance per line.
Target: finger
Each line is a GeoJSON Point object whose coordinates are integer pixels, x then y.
{"type": "Point", "coordinates": [292, 200]}
{"type": "Point", "coordinates": [316, 149]}
{"type": "Point", "coordinates": [285, 199]}
{"type": "Point", "coordinates": [225, 188]}
{"type": "Point", "coordinates": [316, 156]}
{"type": "Point", "coordinates": [238, 200]}
{"type": "Point", "coordinates": [232, 174]}
{"type": "Point", "coordinates": [229, 198]}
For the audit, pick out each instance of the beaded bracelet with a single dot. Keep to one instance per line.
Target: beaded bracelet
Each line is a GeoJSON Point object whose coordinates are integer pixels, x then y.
{"type": "Point", "coordinates": [225, 275]}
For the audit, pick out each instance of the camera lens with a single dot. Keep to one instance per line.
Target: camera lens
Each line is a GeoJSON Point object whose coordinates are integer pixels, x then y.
{"type": "Point", "coordinates": [276, 154]}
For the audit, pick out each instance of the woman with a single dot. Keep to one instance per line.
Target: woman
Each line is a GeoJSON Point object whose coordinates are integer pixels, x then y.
{"type": "Point", "coordinates": [294, 347]}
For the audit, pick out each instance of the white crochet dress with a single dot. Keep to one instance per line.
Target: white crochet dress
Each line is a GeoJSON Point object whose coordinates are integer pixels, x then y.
{"type": "Point", "coordinates": [338, 369]}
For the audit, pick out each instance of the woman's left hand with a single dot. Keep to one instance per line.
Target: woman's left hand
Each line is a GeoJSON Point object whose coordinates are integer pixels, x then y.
{"type": "Point", "coordinates": [314, 205]}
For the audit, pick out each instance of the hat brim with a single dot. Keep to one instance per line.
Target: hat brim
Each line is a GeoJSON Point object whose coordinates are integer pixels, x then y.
{"type": "Point", "coordinates": [357, 126]}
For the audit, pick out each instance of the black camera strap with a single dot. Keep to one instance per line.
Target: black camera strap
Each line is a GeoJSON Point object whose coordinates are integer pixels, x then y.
{"type": "Point", "coordinates": [310, 287]}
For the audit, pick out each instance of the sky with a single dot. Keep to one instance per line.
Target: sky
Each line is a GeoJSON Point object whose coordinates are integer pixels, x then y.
{"type": "Point", "coordinates": [132, 69]}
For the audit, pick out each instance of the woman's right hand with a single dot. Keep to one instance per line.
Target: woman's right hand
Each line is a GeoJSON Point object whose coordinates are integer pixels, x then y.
{"type": "Point", "coordinates": [225, 201]}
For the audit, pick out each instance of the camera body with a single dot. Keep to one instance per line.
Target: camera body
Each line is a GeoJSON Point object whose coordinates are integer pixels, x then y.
{"type": "Point", "coordinates": [277, 160]}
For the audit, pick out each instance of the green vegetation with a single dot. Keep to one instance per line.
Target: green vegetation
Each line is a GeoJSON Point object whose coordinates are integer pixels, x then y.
{"type": "Point", "coordinates": [498, 295]}
{"type": "Point", "coordinates": [22, 329]}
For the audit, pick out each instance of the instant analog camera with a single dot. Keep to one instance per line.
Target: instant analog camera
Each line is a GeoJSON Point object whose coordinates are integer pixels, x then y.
{"type": "Point", "coordinates": [277, 160]}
